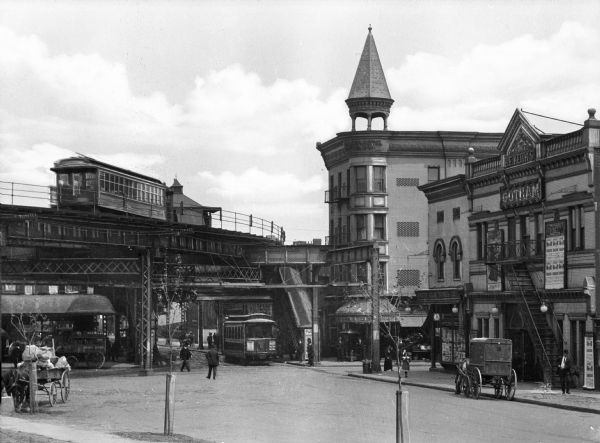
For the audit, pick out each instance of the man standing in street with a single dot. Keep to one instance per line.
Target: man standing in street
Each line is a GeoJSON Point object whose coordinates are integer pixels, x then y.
{"type": "Point", "coordinates": [185, 356]}
{"type": "Point", "coordinates": [209, 340]}
{"type": "Point", "coordinates": [311, 353]}
{"type": "Point", "coordinates": [564, 370]}
{"type": "Point", "coordinates": [212, 357]}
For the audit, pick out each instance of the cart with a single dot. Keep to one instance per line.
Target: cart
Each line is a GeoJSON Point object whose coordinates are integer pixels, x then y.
{"type": "Point", "coordinates": [54, 380]}
{"type": "Point", "coordinates": [490, 363]}
{"type": "Point", "coordinates": [88, 348]}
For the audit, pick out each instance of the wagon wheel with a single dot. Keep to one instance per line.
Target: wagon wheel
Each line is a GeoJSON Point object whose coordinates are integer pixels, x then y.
{"type": "Point", "coordinates": [511, 386]}
{"type": "Point", "coordinates": [477, 381]}
{"type": "Point", "coordinates": [466, 385]}
{"type": "Point", "coordinates": [53, 393]}
{"type": "Point", "coordinates": [95, 360]}
{"type": "Point", "coordinates": [72, 360]}
{"type": "Point", "coordinates": [65, 383]}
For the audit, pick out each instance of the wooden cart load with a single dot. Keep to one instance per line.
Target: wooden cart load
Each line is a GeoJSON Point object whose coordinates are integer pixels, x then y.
{"type": "Point", "coordinates": [489, 363]}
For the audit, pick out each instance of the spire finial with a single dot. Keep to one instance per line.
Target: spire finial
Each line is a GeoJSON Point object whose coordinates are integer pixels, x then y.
{"type": "Point", "coordinates": [370, 28]}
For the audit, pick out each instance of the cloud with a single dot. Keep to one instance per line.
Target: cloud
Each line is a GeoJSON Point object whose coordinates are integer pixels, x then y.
{"type": "Point", "coordinates": [557, 76]}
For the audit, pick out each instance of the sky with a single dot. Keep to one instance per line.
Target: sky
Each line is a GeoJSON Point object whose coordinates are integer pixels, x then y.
{"type": "Point", "coordinates": [230, 97]}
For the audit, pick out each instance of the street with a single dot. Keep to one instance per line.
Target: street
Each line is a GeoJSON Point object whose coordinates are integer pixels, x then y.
{"type": "Point", "coordinates": [282, 403]}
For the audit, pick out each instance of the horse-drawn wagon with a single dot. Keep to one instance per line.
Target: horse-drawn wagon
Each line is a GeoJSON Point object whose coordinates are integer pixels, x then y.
{"type": "Point", "coordinates": [489, 363]}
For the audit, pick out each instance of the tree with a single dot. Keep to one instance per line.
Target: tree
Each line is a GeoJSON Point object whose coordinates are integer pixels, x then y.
{"type": "Point", "coordinates": [172, 295]}
{"type": "Point", "coordinates": [27, 326]}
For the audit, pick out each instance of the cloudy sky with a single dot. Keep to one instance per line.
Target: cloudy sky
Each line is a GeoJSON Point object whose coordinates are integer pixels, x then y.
{"type": "Point", "coordinates": [230, 97]}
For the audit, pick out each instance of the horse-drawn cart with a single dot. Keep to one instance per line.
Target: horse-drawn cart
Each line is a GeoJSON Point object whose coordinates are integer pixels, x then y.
{"type": "Point", "coordinates": [53, 380]}
{"type": "Point", "coordinates": [490, 363]}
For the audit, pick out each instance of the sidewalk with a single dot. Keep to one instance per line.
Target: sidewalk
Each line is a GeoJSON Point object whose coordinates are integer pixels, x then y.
{"type": "Point", "coordinates": [420, 375]}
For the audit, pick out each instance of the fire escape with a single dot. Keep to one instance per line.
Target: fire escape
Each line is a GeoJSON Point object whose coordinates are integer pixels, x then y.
{"type": "Point", "coordinates": [517, 260]}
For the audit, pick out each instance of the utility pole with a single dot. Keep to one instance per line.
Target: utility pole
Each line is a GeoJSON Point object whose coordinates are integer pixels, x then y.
{"type": "Point", "coordinates": [375, 298]}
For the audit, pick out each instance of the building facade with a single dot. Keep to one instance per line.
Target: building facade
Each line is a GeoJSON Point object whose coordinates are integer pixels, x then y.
{"type": "Point", "coordinates": [373, 177]}
{"type": "Point", "coordinates": [528, 231]}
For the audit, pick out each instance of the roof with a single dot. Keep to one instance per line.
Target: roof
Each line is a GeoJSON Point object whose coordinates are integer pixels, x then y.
{"type": "Point", "coordinates": [369, 80]}
{"type": "Point", "coordinates": [56, 304]}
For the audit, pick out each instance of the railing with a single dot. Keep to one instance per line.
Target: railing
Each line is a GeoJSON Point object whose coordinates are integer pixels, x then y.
{"type": "Point", "coordinates": [563, 143]}
{"type": "Point", "coordinates": [486, 166]}
{"type": "Point", "coordinates": [514, 250]}
{"type": "Point", "coordinates": [23, 194]}
{"type": "Point", "coordinates": [336, 194]}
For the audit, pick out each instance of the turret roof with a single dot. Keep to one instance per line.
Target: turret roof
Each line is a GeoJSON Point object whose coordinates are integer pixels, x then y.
{"type": "Point", "coordinates": [369, 80]}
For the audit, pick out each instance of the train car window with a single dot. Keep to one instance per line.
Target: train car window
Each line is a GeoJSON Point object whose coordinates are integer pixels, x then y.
{"type": "Point", "coordinates": [90, 180]}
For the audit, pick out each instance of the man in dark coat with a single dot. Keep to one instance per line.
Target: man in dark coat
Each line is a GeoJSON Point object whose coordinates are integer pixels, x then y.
{"type": "Point", "coordinates": [209, 340]}
{"type": "Point", "coordinates": [15, 352]}
{"type": "Point", "coordinates": [564, 370]}
{"type": "Point", "coordinates": [212, 357]}
{"type": "Point", "coordinates": [185, 356]}
{"type": "Point", "coordinates": [311, 352]}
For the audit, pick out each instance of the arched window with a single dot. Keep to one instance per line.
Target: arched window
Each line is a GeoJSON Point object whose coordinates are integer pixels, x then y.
{"type": "Point", "coordinates": [439, 256]}
{"type": "Point", "coordinates": [456, 255]}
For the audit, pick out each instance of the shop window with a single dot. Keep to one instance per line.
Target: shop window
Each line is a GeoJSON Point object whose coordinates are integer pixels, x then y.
{"type": "Point", "coordinates": [577, 341]}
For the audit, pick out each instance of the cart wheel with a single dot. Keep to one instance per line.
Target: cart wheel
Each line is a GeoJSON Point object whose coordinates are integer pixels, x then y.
{"type": "Point", "coordinates": [53, 393]}
{"type": "Point", "coordinates": [65, 383]}
{"type": "Point", "coordinates": [72, 360]}
{"type": "Point", "coordinates": [95, 360]}
{"type": "Point", "coordinates": [511, 386]}
{"type": "Point", "coordinates": [466, 386]}
{"type": "Point", "coordinates": [477, 381]}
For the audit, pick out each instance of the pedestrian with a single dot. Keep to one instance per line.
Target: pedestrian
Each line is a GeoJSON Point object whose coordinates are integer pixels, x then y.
{"type": "Point", "coordinates": [405, 363]}
{"type": "Point", "coordinates": [116, 350]}
{"type": "Point", "coordinates": [311, 352]}
{"type": "Point", "coordinates": [209, 340]}
{"type": "Point", "coordinates": [300, 351]}
{"type": "Point", "coordinates": [216, 341]}
{"type": "Point", "coordinates": [340, 349]}
{"type": "Point", "coordinates": [387, 362]}
{"type": "Point", "coordinates": [212, 357]}
{"type": "Point", "coordinates": [564, 371]}
{"type": "Point", "coordinates": [185, 356]}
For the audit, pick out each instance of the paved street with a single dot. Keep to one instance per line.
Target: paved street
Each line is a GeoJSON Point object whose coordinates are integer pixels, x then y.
{"type": "Point", "coordinates": [283, 403]}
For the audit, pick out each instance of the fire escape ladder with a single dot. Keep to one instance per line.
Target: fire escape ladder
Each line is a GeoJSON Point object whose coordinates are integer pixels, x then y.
{"type": "Point", "coordinates": [540, 332]}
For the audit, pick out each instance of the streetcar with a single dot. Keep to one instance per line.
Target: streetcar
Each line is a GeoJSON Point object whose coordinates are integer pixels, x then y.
{"type": "Point", "coordinates": [85, 183]}
{"type": "Point", "coordinates": [249, 338]}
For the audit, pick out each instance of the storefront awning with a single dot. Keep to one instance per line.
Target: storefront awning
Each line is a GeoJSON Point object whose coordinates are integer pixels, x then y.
{"type": "Point", "coordinates": [56, 304]}
{"type": "Point", "coordinates": [360, 311]}
{"type": "Point", "coordinates": [412, 321]}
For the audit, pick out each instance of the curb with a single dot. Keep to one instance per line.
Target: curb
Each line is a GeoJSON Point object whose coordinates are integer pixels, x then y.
{"type": "Point", "coordinates": [516, 399]}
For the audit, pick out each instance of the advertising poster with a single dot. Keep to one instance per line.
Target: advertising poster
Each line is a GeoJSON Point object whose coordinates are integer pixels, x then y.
{"type": "Point", "coordinates": [495, 239]}
{"type": "Point", "coordinates": [588, 361]}
{"type": "Point", "coordinates": [554, 270]}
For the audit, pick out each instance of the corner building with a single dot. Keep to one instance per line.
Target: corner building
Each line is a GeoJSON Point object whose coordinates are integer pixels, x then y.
{"type": "Point", "coordinates": [373, 193]}
{"type": "Point", "coordinates": [514, 251]}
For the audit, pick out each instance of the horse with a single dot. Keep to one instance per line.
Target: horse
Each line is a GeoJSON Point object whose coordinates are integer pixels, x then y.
{"type": "Point", "coordinates": [16, 384]}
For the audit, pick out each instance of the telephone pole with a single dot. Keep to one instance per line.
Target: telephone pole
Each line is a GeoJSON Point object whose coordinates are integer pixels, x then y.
{"type": "Point", "coordinates": [375, 299]}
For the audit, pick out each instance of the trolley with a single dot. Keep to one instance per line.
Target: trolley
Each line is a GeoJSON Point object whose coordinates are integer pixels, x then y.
{"type": "Point", "coordinates": [490, 363]}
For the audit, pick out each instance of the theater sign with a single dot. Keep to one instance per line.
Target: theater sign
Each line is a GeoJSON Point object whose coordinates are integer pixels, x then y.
{"type": "Point", "coordinates": [521, 194]}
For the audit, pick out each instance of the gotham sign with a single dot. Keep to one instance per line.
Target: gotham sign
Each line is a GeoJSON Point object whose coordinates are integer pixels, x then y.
{"type": "Point", "coordinates": [521, 194]}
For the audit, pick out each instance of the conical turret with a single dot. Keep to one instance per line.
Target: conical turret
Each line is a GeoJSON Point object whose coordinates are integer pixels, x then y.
{"type": "Point", "coordinates": [369, 96]}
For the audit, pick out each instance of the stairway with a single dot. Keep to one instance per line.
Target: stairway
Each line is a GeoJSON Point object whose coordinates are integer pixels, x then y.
{"type": "Point", "coordinates": [540, 325]}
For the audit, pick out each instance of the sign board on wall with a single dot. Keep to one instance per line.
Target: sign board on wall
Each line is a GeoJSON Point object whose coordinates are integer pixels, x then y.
{"type": "Point", "coordinates": [495, 240]}
{"type": "Point", "coordinates": [588, 362]}
{"type": "Point", "coordinates": [554, 269]}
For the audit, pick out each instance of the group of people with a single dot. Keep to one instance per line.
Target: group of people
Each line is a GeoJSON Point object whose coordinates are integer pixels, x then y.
{"type": "Point", "coordinates": [212, 356]}
{"type": "Point", "coordinates": [404, 360]}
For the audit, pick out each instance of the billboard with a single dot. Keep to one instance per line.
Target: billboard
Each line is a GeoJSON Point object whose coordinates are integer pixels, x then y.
{"type": "Point", "coordinates": [554, 269]}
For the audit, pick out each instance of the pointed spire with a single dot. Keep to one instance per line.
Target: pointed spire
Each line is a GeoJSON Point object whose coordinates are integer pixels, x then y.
{"type": "Point", "coordinates": [369, 95]}
{"type": "Point", "coordinates": [369, 80]}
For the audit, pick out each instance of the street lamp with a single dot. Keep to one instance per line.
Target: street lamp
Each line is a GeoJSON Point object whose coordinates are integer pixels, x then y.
{"type": "Point", "coordinates": [544, 307]}
{"type": "Point", "coordinates": [495, 309]}
{"type": "Point", "coordinates": [454, 309]}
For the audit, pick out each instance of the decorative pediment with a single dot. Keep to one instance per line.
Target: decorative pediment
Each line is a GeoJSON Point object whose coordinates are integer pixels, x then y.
{"type": "Point", "coordinates": [518, 145]}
